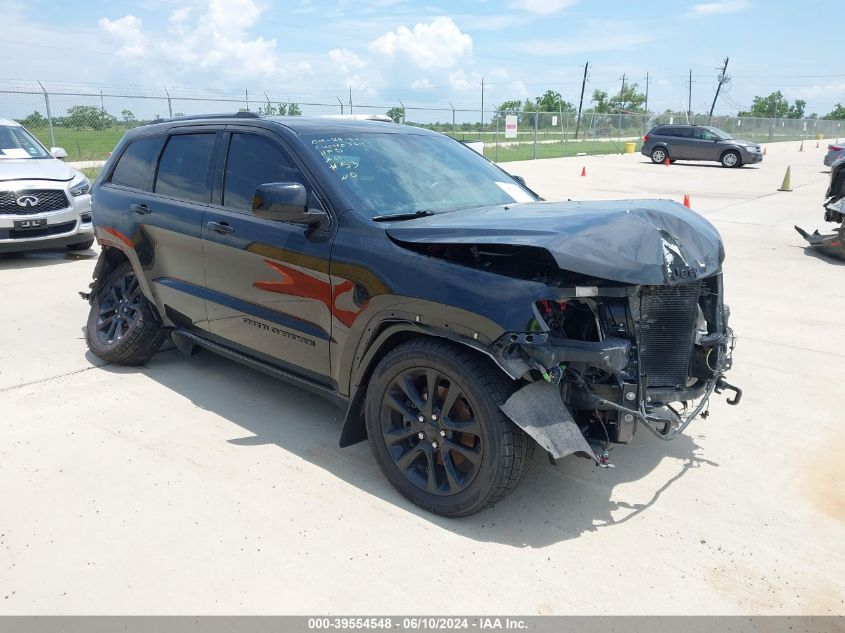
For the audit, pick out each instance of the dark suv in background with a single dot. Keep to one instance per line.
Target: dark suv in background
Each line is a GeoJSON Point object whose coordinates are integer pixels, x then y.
{"type": "Point", "coordinates": [698, 142]}
{"type": "Point", "coordinates": [456, 318]}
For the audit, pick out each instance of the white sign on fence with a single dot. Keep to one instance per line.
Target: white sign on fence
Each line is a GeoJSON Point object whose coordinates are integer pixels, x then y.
{"type": "Point", "coordinates": [510, 126]}
{"type": "Point", "coordinates": [554, 121]}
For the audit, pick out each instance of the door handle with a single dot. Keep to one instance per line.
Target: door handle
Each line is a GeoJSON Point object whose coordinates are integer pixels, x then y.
{"type": "Point", "coordinates": [220, 227]}
{"type": "Point", "coordinates": [140, 209]}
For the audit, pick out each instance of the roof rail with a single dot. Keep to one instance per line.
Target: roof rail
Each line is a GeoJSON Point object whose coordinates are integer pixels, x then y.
{"type": "Point", "coordinates": [243, 114]}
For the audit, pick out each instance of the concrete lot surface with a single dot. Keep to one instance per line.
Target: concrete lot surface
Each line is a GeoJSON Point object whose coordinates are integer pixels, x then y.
{"type": "Point", "coordinates": [200, 486]}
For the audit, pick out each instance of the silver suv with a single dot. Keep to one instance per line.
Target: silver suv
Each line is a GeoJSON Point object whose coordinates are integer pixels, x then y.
{"type": "Point", "coordinates": [43, 202]}
{"type": "Point", "coordinates": [698, 142]}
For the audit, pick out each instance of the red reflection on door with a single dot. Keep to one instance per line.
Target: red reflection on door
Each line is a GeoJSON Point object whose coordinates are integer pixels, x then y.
{"type": "Point", "coordinates": [299, 284]}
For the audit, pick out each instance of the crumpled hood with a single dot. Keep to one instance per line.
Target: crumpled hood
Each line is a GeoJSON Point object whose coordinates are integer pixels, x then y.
{"type": "Point", "coordinates": [35, 169]}
{"type": "Point", "coordinates": [628, 241]}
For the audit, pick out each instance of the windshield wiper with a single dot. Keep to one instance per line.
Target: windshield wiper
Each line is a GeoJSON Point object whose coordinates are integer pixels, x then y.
{"type": "Point", "coordinates": [402, 216]}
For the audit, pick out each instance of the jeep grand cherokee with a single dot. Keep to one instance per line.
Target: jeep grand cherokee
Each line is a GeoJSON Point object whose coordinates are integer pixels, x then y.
{"type": "Point", "coordinates": [457, 318]}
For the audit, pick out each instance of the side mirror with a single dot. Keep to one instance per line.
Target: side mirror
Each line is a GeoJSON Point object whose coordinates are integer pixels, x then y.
{"type": "Point", "coordinates": [520, 180]}
{"type": "Point", "coordinates": [285, 202]}
{"type": "Point", "coordinates": [58, 152]}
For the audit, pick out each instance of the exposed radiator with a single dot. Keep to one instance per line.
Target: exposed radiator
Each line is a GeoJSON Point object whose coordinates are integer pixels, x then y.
{"type": "Point", "coordinates": [667, 318]}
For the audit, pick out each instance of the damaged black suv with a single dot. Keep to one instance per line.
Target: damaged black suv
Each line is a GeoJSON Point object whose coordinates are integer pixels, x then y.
{"type": "Point", "coordinates": [457, 318]}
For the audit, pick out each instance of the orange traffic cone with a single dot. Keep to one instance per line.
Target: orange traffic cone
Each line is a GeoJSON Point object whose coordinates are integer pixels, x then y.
{"type": "Point", "coordinates": [686, 200]}
{"type": "Point", "coordinates": [666, 162]}
{"type": "Point", "coordinates": [583, 171]}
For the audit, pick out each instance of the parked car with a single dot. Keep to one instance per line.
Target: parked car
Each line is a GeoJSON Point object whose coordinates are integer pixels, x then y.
{"type": "Point", "coordinates": [455, 317]}
{"type": "Point", "coordinates": [834, 211]}
{"type": "Point", "coordinates": [834, 153]}
{"type": "Point", "coordinates": [697, 142]}
{"type": "Point", "coordinates": [44, 203]}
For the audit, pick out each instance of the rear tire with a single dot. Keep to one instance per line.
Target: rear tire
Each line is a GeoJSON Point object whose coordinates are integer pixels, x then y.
{"type": "Point", "coordinates": [731, 159]}
{"type": "Point", "coordinates": [659, 155]}
{"type": "Point", "coordinates": [81, 246]}
{"type": "Point", "coordinates": [122, 327]}
{"type": "Point", "coordinates": [465, 455]}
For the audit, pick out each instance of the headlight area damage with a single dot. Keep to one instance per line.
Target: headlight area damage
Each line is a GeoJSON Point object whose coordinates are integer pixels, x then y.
{"type": "Point", "coordinates": [626, 355]}
{"type": "Point", "coordinates": [631, 331]}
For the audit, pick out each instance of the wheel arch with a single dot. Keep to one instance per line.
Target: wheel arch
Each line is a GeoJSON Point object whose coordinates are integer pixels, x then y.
{"type": "Point", "coordinates": [732, 150]}
{"type": "Point", "coordinates": [112, 255]}
{"type": "Point", "coordinates": [388, 338]}
{"type": "Point", "coordinates": [662, 146]}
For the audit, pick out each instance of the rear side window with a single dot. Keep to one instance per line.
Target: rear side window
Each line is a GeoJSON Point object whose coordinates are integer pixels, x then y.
{"type": "Point", "coordinates": [137, 163]}
{"type": "Point", "coordinates": [183, 169]}
{"type": "Point", "coordinates": [252, 161]}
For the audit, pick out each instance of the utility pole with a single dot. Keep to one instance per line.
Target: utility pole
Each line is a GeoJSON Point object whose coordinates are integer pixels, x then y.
{"type": "Point", "coordinates": [646, 93]}
{"type": "Point", "coordinates": [581, 102]}
{"type": "Point", "coordinates": [722, 78]}
{"type": "Point", "coordinates": [689, 97]}
{"type": "Point", "coordinates": [622, 94]}
{"type": "Point", "coordinates": [482, 107]}
{"type": "Point", "coordinates": [350, 98]}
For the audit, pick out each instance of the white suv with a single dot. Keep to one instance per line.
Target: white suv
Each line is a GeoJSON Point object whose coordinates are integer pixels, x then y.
{"type": "Point", "coordinates": [43, 202]}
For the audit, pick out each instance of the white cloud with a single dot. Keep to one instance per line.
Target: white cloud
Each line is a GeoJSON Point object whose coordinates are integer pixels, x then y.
{"type": "Point", "coordinates": [828, 91]}
{"type": "Point", "coordinates": [346, 60]}
{"type": "Point", "coordinates": [460, 82]}
{"type": "Point", "coordinates": [519, 89]}
{"type": "Point", "coordinates": [439, 44]}
{"type": "Point", "coordinates": [593, 36]}
{"type": "Point", "coordinates": [721, 7]}
{"type": "Point", "coordinates": [543, 7]}
{"type": "Point", "coordinates": [216, 41]}
{"type": "Point", "coordinates": [422, 84]}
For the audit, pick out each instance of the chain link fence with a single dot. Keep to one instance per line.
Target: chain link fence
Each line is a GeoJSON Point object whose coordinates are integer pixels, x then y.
{"type": "Point", "coordinates": [89, 120]}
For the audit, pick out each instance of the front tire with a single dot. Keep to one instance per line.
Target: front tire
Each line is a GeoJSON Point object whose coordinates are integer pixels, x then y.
{"type": "Point", "coordinates": [436, 429]}
{"type": "Point", "coordinates": [122, 327]}
{"type": "Point", "coordinates": [731, 159]}
{"type": "Point", "coordinates": [659, 155]}
{"type": "Point", "coordinates": [842, 240]}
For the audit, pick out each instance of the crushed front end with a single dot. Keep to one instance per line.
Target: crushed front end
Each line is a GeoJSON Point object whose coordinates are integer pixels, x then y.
{"type": "Point", "coordinates": [618, 356]}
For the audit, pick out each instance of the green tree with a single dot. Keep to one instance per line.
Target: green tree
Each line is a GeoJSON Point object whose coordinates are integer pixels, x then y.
{"type": "Point", "coordinates": [507, 107]}
{"type": "Point", "coordinates": [36, 119]}
{"type": "Point", "coordinates": [602, 105]}
{"type": "Point", "coordinates": [837, 113]}
{"type": "Point", "coordinates": [290, 109]}
{"type": "Point", "coordinates": [774, 106]}
{"type": "Point", "coordinates": [796, 110]}
{"type": "Point", "coordinates": [128, 117]}
{"type": "Point", "coordinates": [552, 101]}
{"type": "Point", "coordinates": [628, 100]}
{"type": "Point", "coordinates": [81, 116]}
{"type": "Point", "coordinates": [397, 114]}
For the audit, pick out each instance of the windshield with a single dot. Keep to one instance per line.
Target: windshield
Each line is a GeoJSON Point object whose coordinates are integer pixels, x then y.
{"type": "Point", "coordinates": [16, 142]}
{"type": "Point", "coordinates": [400, 174]}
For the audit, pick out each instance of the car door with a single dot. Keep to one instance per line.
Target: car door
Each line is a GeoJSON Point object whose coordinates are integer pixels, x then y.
{"type": "Point", "coordinates": [679, 145]}
{"type": "Point", "coordinates": [703, 145]}
{"type": "Point", "coordinates": [268, 285]}
{"type": "Point", "coordinates": [162, 185]}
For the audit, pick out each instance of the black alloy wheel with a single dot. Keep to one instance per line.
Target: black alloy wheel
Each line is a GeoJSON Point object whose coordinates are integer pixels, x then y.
{"type": "Point", "coordinates": [118, 309]}
{"type": "Point", "coordinates": [431, 431]}
{"type": "Point", "coordinates": [122, 325]}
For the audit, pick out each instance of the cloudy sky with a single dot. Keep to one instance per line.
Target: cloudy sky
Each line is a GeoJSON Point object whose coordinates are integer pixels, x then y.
{"type": "Point", "coordinates": [433, 52]}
